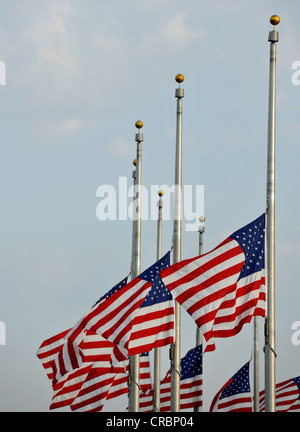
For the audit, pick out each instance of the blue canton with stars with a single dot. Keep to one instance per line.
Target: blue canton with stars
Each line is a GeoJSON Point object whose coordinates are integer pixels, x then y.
{"type": "Point", "coordinates": [239, 384]}
{"type": "Point", "coordinates": [113, 290]}
{"type": "Point", "coordinates": [191, 364]}
{"type": "Point", "coordinates": [251, 239]}
{"type": "Point", "coordinates": [297, 381]}
{"type": "Point", "coordinates": [159, 292]}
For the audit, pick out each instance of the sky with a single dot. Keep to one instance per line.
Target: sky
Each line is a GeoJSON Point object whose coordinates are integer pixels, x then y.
{"type": "Point", "coordinates": [79, 74]}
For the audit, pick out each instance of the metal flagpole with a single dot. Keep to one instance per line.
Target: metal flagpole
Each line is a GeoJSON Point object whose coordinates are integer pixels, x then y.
{"type": "Point", "coordinates": [198, 331]}
{"type": "Point", "coordinates": [175, 348]}
{"type": "Point", "coordinates": [136, 265]}
{"type": "Point", "coordinates": [201, 232]}
{"type": "Point", "coordinates": [133, 220]}
{"type": "Point", "coordinates": [156, 392]}
{"type": "Point", "coordinates": [256, 366]}
{"type": "Point", "coordinates": [270, 229]}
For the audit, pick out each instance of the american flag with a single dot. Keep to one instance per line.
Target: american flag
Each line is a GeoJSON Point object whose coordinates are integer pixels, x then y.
{"type": "Point", "coordinates": [145, 372]}
{"type": "Point", "coordinates": [224, 288]}
{"type": "Point", "coordinates": [89, 386]}
{"type": "Point", "coordinates": [48, 351]}
{"type": "Point", "coordinates": [153, 325]}
{"type": "Point", "coordinates": [96, 377]}
{"type": "Point", "coordinates": [95, 369]}
{"type": "Point", "coordinates": [235, 395]}
{"type": "Point", "coordinates": [99, 388]}
{"type": "Point", "coordinates": [135, 316]}
{"type": "Point", "coordinates": [132, 317]}
{"type": "Point", "coordinates": [190, 385]}
{"type": "Point", "coordinates": [287, 396]}
{"type": "Point", "coordinates": [93, 392]}
{"type": "Point", "coordinates": [120, 384]}
{"type": "Point", "coordinates": [62, 353]}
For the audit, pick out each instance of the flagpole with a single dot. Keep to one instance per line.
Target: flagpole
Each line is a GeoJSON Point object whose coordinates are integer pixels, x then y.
{"type": "Point", "coordinates": [156, 392]}
{"type": "Point", "coordinates": [201, 232]}
{"type": "Point", "coordinates": [136, 265]}
{"type": "Point", "coordinates": [175, 349]}
{"type": "Point", "coordinates": [270, 229]}
{"type": "Point", "coordinates": [133, 219]}
{"type": "Point", "coordinates": [256, 366]}
{"type": "Point", "coordinates": [198, 331]}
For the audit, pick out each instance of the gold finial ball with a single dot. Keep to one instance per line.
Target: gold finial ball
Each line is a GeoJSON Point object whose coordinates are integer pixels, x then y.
{"type": "Point", "coordinates": [134, 162]}
{"type": "Point", "coordinates": [160, 192]}
{"type": "Point", "coordinates": [274, 20]}
{"type": "Point", "coordinates": [202, 219]}
{"type": "Point", "coordinates": [139, 124]}
{"type": "Point", "coordinates": [179, 78]}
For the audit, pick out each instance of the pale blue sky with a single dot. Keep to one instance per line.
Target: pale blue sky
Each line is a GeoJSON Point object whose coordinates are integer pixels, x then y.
{"type": "Point", "coordinates": [79, 75]}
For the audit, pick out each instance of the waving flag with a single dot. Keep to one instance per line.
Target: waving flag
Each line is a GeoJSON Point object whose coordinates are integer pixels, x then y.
{"type": "Point", "coordinates": [235, 395]}
{"type": "Point", "coordinates": [224, 288]}
{"type": "Point", "coordinates": [94, 378]}
{"type": "Point", "coordinates": [96, 365]}
{"type": "Point", "coordinates": [93, 392]}
{"type": "Point", "coordinates": [62, 353]}
{"type": "Point", "coordinates": [89, 386]}
{"type": "Point", "coordinates": [97, 387]}
{"type": "Point", "coordinates": [130, 318]}
{"type": "Point", "coordinates": [120, 383]}
{"type": "Point", "coordinates": [153, 325]}
{"type": "Point", "coordinates": [190, 385]}
{"type": "Point", "coordinates": [48, 351]}
{"type": "Point", "coordinates": [145, 372]}
{"type": "Point", "coordinates": [287, 396]}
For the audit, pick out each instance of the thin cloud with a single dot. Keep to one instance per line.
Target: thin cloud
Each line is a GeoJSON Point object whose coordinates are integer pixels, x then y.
{"type": "Point", "coordinates": [119, 147]}
{"type": "Point", "coordinates": [55, 130]}
{"type": "Point", "coordinates": [51, 34]}
{"type": "Point", "coordinates": [178, 32]}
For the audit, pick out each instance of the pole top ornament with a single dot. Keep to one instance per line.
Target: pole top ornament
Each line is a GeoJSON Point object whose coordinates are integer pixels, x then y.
{"type": "Point", "coordinates": [139, 124]}
{"type": "Point", "coordinates": [274, 20]}
{"type": "Point", "coordinates": [179, 78]}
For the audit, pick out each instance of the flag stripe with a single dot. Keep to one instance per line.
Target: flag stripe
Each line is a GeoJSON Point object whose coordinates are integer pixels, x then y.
{"type": "Point", "coordinates": [49, 350]}
{"type": "Point", "coordinates": [66, 390]}
{"type": "Point", "coordinates": [93, 394]}
{"type": "Point", "coordinates": [112, 314]}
